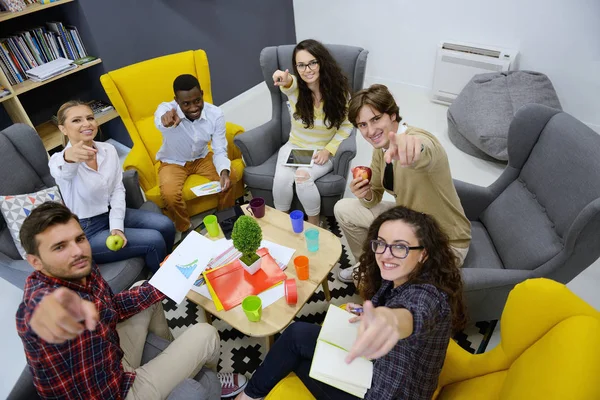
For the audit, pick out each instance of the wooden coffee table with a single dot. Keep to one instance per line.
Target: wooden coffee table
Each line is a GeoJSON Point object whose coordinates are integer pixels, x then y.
{"type": "Point", "coordinates": [277, 228]}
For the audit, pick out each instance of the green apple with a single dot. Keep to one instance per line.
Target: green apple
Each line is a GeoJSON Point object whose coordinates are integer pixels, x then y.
{"type": "Point", "coordinates": [114, 242]}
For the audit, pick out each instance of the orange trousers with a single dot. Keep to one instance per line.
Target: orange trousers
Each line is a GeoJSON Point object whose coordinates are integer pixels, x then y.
{"type": "Point", "coordinates": [172, 177]}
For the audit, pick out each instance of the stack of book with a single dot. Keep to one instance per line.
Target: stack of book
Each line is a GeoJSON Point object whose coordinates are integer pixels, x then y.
{"type": "Point", "coordinates": [29, 49]}
{"type": "Point", "coordinates": [99, 108]}
{"type": "Point", "coordinates": [50, 69]}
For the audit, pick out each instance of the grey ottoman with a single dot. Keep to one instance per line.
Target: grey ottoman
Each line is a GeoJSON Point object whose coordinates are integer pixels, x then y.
{"type": "Point", "coordinates": [478, 119]}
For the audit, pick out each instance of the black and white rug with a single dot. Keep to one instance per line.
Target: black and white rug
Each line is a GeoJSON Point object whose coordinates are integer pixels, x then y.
{"type": "Point", "coordinates": [243, 354]}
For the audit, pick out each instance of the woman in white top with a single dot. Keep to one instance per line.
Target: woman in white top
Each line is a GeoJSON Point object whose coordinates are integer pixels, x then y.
{"type": "Point", "coordinates": [318, 104]}
{"type": "Point", "coordinates": [90, 179]}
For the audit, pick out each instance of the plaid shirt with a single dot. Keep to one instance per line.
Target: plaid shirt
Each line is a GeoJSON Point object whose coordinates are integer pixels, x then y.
{"type": "Point", "coordinates": [411, 370]}
{"type": "Point", "coordinates": [88, 366]}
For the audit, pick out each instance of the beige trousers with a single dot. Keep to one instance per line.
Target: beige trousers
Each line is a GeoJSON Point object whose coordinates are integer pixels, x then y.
{"type": "Point", "coordinates": [198, 346]}
{"type": "Point", "coordinates": [355, 219]}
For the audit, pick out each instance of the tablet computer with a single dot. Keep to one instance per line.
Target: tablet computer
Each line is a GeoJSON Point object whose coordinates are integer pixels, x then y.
{"type": "Point", "coordinates": [300, 158]}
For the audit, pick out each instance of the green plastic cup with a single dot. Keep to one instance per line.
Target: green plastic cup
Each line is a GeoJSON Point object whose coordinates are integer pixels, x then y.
{"type": "Point", "coordinates": [252, 306]}
{"type": "Point", "coordinates": [212, 225]}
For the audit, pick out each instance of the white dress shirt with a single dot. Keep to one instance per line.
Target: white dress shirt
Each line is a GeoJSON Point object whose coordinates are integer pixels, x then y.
{"type": "Point", "coordinates": [189, 140]}
{"type": "Point", "coordinates": [88, 193]}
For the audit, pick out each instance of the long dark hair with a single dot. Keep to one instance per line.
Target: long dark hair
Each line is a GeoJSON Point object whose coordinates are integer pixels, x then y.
{"type": "Point", "coordinates": [440, 269]}
{"type": "Point", "coordinates": [333, 85]}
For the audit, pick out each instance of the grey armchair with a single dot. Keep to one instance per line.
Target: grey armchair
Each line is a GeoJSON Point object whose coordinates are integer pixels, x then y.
{"type": "Point", "coordinates": [24, 166]}
{"type": "Point", "coordinates": [259, 146]}
{"type": "Point", "coordinates": [541, 218]}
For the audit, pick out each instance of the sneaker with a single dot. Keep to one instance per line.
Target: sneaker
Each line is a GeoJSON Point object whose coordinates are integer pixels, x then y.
{"type": "Point", "coordinates": [231, 383]}
{"type": "Point", "coordinates": [345, 275]}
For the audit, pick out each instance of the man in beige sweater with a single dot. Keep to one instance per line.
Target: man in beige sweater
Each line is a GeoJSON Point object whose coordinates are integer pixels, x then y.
{"type": "Point", "coordinates": [408, 163]}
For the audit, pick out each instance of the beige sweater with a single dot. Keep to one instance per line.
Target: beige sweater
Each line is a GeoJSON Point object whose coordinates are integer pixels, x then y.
{"type": "Point", "coordinates": [425, 187]}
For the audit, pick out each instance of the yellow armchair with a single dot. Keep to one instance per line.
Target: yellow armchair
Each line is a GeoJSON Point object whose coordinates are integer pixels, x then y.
{"type": "Point", "coordinates": [136, 91]}
{"type": "Point", "coordinates": [549, 350]}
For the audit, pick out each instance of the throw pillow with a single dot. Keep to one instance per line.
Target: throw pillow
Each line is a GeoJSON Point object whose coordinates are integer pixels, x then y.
{"type": "Point", "coordinates": [16, 208]}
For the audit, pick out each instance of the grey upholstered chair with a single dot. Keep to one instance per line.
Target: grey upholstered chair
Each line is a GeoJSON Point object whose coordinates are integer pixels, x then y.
{"type": "Point", "coordinates": [205, 384]}
{"type": "Point", "coordinates": [259, 146]}
{"type": "Point", "coordinates": [24, 166]}
{"type": "Point", "coordinates": [541, 218]}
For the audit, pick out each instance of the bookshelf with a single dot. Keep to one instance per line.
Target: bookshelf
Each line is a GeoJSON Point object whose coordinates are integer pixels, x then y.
{"type": "Point", "coordinates": [28, 85]}
{"type": "Point", "coordinates": [48, 131]}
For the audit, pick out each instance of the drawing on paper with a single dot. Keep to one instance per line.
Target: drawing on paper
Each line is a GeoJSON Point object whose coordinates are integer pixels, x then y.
{"type": "Point", "coordinates": [187, 269]}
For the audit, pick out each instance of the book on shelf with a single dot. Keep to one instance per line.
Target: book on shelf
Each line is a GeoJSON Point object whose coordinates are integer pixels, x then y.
{"type": "Point", "coordinates": [3, 91]}
{"type": "Point", "coordinates": [329, 361]}
{"type": "Point", "coordinates": [37, 46]}
{"type": "Point", "coordinates": [99, 108]}
{"type": "Point", "coordinates": [12, 5]}
{"type": "Point", "coordinates": [50, 69]}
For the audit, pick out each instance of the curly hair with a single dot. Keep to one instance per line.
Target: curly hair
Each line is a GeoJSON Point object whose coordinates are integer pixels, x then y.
{"type": "Point", "coordinates": [440, 269]}
{"type": "Point", "coordinates": [333, 85]}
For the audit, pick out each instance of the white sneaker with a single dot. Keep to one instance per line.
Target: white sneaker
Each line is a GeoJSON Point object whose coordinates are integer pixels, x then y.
{"type": "Point", "coordinates": [345, 275]}
{"type": "Point", "coordinates": [231, 383]}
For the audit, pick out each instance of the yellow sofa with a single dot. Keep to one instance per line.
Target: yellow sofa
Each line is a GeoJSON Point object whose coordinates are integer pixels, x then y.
{"type": "Point", "coordinates": [549, 350]}
{"type": "Point", "coordinates": [136, 91]}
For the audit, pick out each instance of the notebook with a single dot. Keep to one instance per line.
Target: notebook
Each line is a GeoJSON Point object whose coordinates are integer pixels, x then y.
{"type": "Point", "coordinates": [335, 341]}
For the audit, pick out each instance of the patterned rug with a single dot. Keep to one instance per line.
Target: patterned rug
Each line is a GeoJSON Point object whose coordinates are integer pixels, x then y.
{"type": "Point", "coordinates": [243, 354]}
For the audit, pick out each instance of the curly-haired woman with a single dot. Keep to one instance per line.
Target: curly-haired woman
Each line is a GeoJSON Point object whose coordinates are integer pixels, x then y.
{"type": "Point", "coordinates": [318, 104]}
{"type": "Point", "coordinates": [411, 275]}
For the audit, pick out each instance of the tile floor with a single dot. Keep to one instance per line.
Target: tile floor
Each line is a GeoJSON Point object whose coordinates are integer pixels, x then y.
{"type": "Point", "coordinates": [251, 109]}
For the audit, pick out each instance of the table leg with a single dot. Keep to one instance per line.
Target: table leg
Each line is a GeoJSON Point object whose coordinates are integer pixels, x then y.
{"type": "Point", "coordinates": [208, 316]}
{"type": "Point", "coordinates": [269, 342]}
{"type": "Point", "coordinates": [325, 285]}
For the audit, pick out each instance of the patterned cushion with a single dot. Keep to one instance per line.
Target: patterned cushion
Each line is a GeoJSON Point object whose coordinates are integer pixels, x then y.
{"type": "Point", "coordinates": [17, 207]}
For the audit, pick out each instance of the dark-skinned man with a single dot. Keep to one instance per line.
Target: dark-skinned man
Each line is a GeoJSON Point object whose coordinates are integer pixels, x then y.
{"type": "Point", "coordinates": [188, 124]}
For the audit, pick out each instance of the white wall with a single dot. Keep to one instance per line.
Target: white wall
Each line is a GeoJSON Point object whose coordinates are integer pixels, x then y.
{"type": "Point", "coordinates": [560, 38]}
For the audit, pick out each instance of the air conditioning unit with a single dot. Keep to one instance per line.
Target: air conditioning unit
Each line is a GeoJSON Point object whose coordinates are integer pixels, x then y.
{"type": "Point", "coordinates": [457, 62]}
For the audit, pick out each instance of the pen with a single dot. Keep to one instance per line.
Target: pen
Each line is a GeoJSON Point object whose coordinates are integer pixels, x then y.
{"type": "Point", "coordinates": [356, 310]}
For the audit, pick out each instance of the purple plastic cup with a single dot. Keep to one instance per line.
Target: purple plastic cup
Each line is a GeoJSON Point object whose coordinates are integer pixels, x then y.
{"type": "Point", "coordinates": [257, 207]}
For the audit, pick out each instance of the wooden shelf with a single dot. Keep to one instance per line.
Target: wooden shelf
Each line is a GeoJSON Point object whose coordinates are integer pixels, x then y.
{"type": "Point", "coordinates": [6, 15]}
{"type": "Point", "coordinates": [7, 97]}
{"type": "Point", "coordinates": [28, 85]}
{"type": "Point", "coordinates": [53, 137]}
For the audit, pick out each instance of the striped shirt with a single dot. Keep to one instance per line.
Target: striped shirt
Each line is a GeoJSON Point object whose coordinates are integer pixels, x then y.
{"type": "Point", "coordinates": [319, 136]}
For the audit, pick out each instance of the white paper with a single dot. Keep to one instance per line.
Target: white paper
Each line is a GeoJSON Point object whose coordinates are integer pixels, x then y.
{"type": "Point", "coordinates": [278, 252]}
{"type": "Point", "coordinates": [188, 260]}
{"type": "Point", "coordinates": [207, 188]}
{"type": "Point", "coordinates": [220, 246]}
{"type": "Point", "coordinates": [337, 329]}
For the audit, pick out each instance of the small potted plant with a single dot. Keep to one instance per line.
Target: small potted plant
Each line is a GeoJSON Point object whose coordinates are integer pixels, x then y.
{"type": "Point", "coordinates": [247, 237]}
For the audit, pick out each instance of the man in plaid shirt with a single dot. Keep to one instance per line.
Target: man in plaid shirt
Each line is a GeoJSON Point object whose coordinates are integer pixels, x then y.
{"type": "Point", "coordinates": [81, 340]}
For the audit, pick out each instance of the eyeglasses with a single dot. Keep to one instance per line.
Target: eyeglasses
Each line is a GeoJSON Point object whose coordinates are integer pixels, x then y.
{"type": "Point", "coordinates": [312, 65]}
{"type": "Point", "coordinates": [398, 250]}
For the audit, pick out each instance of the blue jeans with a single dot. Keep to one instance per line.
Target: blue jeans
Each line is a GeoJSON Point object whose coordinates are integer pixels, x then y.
{"type": "Point", "coordinates": [149, 235]}
{"type": "Point", "coordinates": [292, 352]}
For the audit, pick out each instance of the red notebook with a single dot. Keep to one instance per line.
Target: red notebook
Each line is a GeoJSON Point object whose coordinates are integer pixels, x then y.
{"type": "Point", "coordinates": [231, 283]}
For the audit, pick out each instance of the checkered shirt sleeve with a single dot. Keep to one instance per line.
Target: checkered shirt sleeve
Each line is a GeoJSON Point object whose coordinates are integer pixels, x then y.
{"type": "Point", "coordinates": [411, 369]}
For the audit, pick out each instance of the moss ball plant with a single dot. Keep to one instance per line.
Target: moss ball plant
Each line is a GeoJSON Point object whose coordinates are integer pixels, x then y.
{"type": "Point", "coordinates": [247, 237]}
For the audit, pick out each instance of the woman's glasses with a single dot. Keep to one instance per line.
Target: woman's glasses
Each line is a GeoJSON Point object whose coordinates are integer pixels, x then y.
{"type": "Point", "coordinates": [398, 250]}
{"type": "Point", "coordinates": [312, 65]}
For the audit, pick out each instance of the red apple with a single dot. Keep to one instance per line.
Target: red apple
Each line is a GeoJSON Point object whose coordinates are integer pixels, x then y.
{"type": "Point", "coordinates": [363, 172]}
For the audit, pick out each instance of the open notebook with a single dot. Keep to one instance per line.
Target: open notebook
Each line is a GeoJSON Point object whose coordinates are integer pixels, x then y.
{"type": "Point", "coordinates": [335, 341]}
